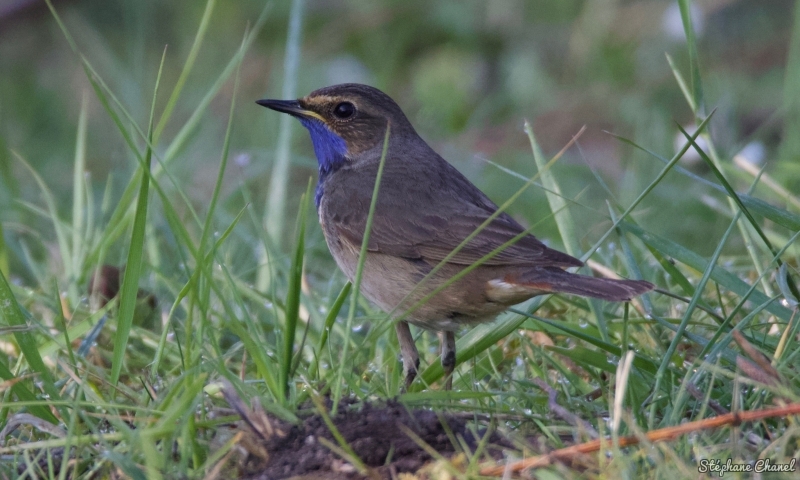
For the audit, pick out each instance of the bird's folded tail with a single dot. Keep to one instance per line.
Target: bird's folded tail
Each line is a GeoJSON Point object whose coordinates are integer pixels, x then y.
{"type": "Point", "coordinates": [555, 280]}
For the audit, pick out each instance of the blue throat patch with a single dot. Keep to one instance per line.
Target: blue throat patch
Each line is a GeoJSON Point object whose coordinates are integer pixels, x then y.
{"type": "Point", "coordinates": [329, 148]}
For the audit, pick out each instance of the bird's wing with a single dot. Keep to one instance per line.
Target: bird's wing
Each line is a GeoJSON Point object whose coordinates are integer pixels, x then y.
{"type": "Point", "coordinates": [426, 215]}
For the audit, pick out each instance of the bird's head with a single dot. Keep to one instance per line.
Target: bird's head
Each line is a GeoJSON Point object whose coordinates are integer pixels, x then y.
{"type": "Point", "coordinates": [345, 120]}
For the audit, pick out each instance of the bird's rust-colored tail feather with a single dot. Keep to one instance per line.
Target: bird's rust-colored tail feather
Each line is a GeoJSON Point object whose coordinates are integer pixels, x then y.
{"type": "Point", "coordinates": [555, 280]}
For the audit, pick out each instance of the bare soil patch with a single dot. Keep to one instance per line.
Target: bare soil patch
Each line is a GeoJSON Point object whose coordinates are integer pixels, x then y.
{"type": "Point", "coordinates": [376, 435]}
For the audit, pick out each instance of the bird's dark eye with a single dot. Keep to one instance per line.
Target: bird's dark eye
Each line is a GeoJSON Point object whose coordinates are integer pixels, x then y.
{"type": "Point", "coordinates": [344, 110]}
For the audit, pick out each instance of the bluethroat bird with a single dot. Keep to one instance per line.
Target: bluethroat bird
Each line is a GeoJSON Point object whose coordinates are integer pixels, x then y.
{"type": "Point", "coordinates": [425, 209]}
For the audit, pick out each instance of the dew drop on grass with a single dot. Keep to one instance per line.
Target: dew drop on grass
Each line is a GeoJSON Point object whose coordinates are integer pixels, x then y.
{"type": "Point", "coordinates": [242, 159]}
{"type": "Point", "coordinates": [583, 323]}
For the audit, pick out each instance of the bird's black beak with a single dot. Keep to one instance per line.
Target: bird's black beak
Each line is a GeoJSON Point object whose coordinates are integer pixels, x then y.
{"type": "Point", "coordinates": [292, 107]}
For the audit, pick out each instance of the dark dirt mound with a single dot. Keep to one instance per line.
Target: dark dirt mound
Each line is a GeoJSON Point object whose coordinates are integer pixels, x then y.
{"type": "Point", "coordinates": [373, 432]}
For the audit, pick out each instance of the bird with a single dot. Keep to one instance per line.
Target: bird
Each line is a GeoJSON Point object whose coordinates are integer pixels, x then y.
{"type": "Point", "coordinates": [425, 209]}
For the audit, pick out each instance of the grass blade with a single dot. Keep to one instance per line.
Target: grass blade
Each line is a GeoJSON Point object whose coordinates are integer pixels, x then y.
{"type": "Point", "coordinates": [78, 205]}
{"type": "Point", "coordinates": [13, 315]}
{"type": "Point", "coordinates": [329, 321]}
{"type": "Point", "coordinates": [3, 252]}
{"type": "Point", "coordinates": [743, 209]}
{"type": "Point", "coordinates": [729, 189]}
{"type": "Point", "coordinates": [190, 126]}
{"type": "Point", "coordinates": [725, 278]}
{"type": "Point", "coordinates": [687, 92]}
{"type": "Point", "coordinates": [52, 213]}
{"type": "Point", "coordinates": [676, 339]}
{"type": "Point", "coordinates": [203, 294]}
{"type": "Point", "coordinates": [648, 189]}
{"type": "Point", "coordinates": [17, 388]}
{"type": "Point", "coordinates": [694, 60]}
{"type": "Point", "coordinates": [790, 143]}
{"type": "Point", "coordinates": [780, 216]}
{"type": "Point", "coordinates": [275, 206]}
{"type": "Point", "coordinates": [362, 257]}
{"type": "Point", "coordinates": [293, 294]}
{"type": "Point", "coordinates": [187, 68]}
{"type": "Point", "coordinates": [563, 217]}
{"type": "Point", "coordinates": [130, 280]}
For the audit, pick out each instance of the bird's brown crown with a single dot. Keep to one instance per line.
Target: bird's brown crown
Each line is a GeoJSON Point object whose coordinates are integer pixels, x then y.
{"type": "Point", "coordinates": [358, 114]}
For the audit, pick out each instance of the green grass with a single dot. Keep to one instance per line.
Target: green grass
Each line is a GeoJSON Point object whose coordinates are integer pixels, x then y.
{"type": "Point", "coordinates": [144, 401]}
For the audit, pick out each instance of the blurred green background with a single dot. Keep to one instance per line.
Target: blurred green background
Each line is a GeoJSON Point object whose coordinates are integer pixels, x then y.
{"type": "Point", "coordinates": [466, 73]}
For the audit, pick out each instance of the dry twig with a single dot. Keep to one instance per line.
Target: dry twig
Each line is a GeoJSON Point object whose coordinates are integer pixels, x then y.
{"type": "Point", "coordinates": [660, 435]}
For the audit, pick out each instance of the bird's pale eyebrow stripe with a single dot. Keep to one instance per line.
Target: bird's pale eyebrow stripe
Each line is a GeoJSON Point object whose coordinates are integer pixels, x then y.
{"type": "Point", "coordinates": [325, 98]}
{"type": "Point", "coordinates": [328, 99]}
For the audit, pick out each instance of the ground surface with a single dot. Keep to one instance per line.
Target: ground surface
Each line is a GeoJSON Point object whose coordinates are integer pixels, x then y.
{"type": "Point", "coordinates": [376, 435]}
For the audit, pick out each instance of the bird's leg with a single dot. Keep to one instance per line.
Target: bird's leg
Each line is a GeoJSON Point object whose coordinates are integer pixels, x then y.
{"type": "Point", "coordinates": [408, 350]}
{"type": "Point", "coordinates": [448, 341]}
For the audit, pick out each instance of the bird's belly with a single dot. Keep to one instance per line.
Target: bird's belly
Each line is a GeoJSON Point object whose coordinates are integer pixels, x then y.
{"type": "Point", "coordinates": [397, 287]}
